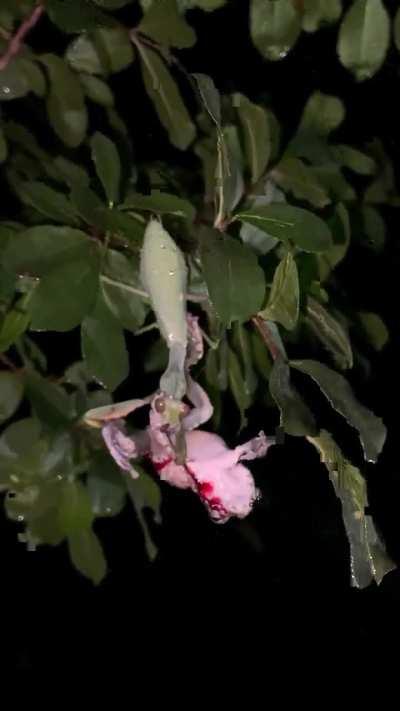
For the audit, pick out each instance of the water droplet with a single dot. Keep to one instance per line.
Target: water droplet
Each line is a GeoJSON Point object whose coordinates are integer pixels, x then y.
{"type": "Point", "coordinates": [14, 478]}
{"type": "Point", "coordinates": [20, 518]}
{"type": "Point", "coordinates": [5, 89]}
{"type": "Point", "coordinates": [163, 246]}
{"type": "Point", "coordinates": [108, 510]}
{"type": "Point", "coordinates": [59, 477]}
{"type": "Point", "coordinates": [171, 273]}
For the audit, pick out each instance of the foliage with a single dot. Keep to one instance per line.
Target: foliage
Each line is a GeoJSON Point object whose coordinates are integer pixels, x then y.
{"type": "Point", "coordinates": [258, 235]}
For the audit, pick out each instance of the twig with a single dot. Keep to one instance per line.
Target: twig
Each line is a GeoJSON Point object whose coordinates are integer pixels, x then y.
{"type": "Point", "coordinates": [265, 334]}
{"type": "Point", "coordinates": [16, 40]}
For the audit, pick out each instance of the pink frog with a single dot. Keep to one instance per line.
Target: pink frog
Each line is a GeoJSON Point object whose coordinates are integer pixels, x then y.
{"type": "Point", "coordinates": [180, 453]}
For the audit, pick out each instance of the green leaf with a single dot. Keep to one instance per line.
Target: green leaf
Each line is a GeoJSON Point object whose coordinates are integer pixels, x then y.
{"type": "Point", "coordinates": [238, 291]}
{"type": "Point", "coordinates": [322, 114]}
{"type": "Point", "coordinates": [274, 27]}
{"type": "Point", "coordinates": [112, 4]}
{"type": "Point", "coordinates": [368, 558]}
{"type": "Point", "coordinates": [163, 23]}
{"type": "Point", "coordinates": [103, 346]}
{"type": "Point", "coordinates": [319, 12]}
{"type": "Point", "coordinates": [75, 512]}
{"type": "Point", "coordinates": [335, 387]}
{"type": "Point", "coordinates": [47, 201]}
{"type": "Point", "coordinates": [11, 393]}
{"type": "Point", "coordinates": [105, 485]}
{"type": "Point", "coordinates": [160, 203]}
{"type": "Point", "coordinates": [164, 94]}
{"type": "Point", "coordinates": [67, 292]}
{"type": "Point", "coordinates": [295, 417]}
{"type": "Point", "coordinates": [71, 173]}
{"type": "Point", "coordinates": [374, 227]}
{"type": "Point", "coordinates": [283, 303]}
{"type": "Point", "coordinates": [291, 225]}
{"type": "Point", "coordinates": [243, 347]}
{"type": "Point", "coordinates": [128, 309]}
{"type": "Point", "coordinates": [66, 102]}
{"type": "Point", "coordinates": [37, 250]}
{"type": "Point", "coordinates": [257, 140]}
{"type": "Point", "coordinates": [364, 38]}
{"type": "Point", "coordinates": [330, 333]}
{"type": "Point", "coordinates": [14, 83]}
{"type": "Point", "coordinates": [375, 329]}
{"type": "Point", "coordinates": [97, 90]}
{"type": "Point", "coordinates": [108, 165]}
{"type": "Point", "coordinates": [15, 323]}
{"type": "Point", "coordinates": [210, 97]}
{"type": "Point", "coordinates": [293, 175]}
{"type": "Point", "coordinates": [238, 387]}
{"type": "Point", "coordinates": [206, 5]}
{"type": "Point", "coordinates": [87, 555]}
{"type": "Point", "coordinates": [76, 15]}
{"type": "Point", "coordinates": [230, 175]}
{"type": "Point", "coordinates": [49, 401]}
{"type": "Point", "coordinates": [355, 160]}
{"type": "Point", "coordinates": [145, 493]}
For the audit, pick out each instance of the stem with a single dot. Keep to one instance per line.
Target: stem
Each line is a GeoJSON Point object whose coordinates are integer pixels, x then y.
{"type": "Point", "coordinates": [16, 40]}
{"type": "Point", "coordinates": [265, 334]}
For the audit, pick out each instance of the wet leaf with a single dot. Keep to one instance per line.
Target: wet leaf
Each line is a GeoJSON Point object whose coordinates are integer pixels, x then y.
{"type": "Point", "coordinates": [296, 418]}
{"type": "Point", "coordinates": [284, 298]}
{"type": "Point", "coordinates": [108, 165]}
{"type": "Point", "coordinates": [257, 140]}
{"type": "Point", "coordinates": [274, 27]}
{"type": "Point", "coordinates": [330, 333]}
{"type": "Point", "coordinates": [164, 24]}
{"type": "Point", "coordinates": [65, 102]}
{"type": "Point", "coordinates": [364, 38]}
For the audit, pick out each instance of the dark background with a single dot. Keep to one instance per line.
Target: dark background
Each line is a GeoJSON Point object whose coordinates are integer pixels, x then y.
{"type": "Point", "coordinates": [277, 583]}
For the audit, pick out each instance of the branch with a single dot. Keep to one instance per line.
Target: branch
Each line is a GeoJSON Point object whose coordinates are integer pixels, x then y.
{"type": "Point", "coordinates": [16, 40]}
{"type": "Point", "coordinates": [265, 334]}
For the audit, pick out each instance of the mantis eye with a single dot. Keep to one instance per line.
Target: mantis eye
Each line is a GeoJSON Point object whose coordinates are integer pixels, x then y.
{"type": "Point", "coordinates": [159, 405]}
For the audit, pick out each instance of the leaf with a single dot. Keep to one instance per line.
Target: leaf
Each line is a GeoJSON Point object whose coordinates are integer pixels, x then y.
{"type": "Point", "coordinates": [105, 485]}
{"type": "Point", "coordinates": [294, 176]}
{"type": "Point", "coordinates": [368, 558]}
{"type": "Point", "coordinates": [210, 97]}
{"type": "Point", "coordinates": [11, 393]}
{"type": "Point", "coordinates": [355, 160]}
{"type": "Point", "coordinates": [330, 333]}
{"type": "Point", "coordinates": [103, 346]}
{"type": "Point", "coordinates": [164, 93]}
{"type": "Point", "coordinates": [274, 27]}
{"type": "Point", "coordinates": [230, 174]}
{"type": "Point", "coordinates": [374, 227]}
{"type": "Point", "coordinates": [256, 135]}
{"type": "Point", "coordinates": [163, 23]}
{"type": "Point", "coordinates": [238, 291]}
{"type": "Point", "coordinates": [335, 387]}
{"type": "Point", "coordinates": [295, 417]}
{"type": "Point", "coordinates": [66, 293]}
{"type": "Point", "coordinates": [283, 302]}
{"type": "Point", "coordinates": [49, 401]}
{"type": "Point", "coordinates": [65, 102]}
{"type": "Point", "coordinates": [145, 493]}
{"type": "Point", "coordinates": [319, 12]}
{"type": "Point", "coordinates": [108, 165]}
{"type": "Point", "coordinates": [322, 114]}
{"type": "Point", "coordinates": [97, 90]}
{"type": "Point", "coordinates": [364, 38]}
{"type": "Point", "coordinates": [75, 512]}
{"type": "Point", "coordinates": [237, 387]}
{"type": "Point", "coordinates": [160, 203]}
{"type": "Point", "coordinates": [76, 15]}
{"type": "Point", "coordinates": [14, 83]}
{"type": "Point", "coordinates": [37, 250]}
{"type": "Point", "coordinates": [127, 308]}
{"type": "Point", "coordinates": [241, 341]}
{"type": "Point", "coordinates": [112, 4]}
{"type": "Point", "coordinates": [47, 201]}
{"type": "Point", "coordinates": [290, 225]}
{"type": "Point", "coordinates": [87, 555]}
{"type": "Point", "coordinates": [375, 329]}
